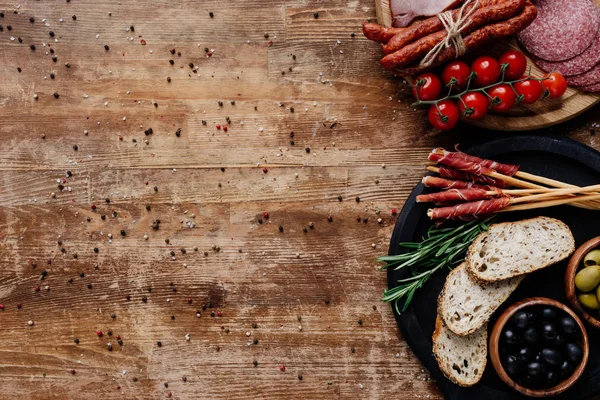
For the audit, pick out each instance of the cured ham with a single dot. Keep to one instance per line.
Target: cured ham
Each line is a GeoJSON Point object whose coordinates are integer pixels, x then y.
{"type": "Point", "coordinates": [450, 173]}
{"type": "Point", "coordinates": [444, 184]}
{"type": "Point", "coordinates": [404, 11]}
{"type": "Point", "coordinates": [451, 195]}
{"type": "Point", "coordinates": [445, 157]}
{"type": "Point", "coordinates": [471, 210]}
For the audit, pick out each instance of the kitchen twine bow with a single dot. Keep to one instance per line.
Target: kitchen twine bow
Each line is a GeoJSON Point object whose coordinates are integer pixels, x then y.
{"type": "Point", "coordinates": [454, 29]}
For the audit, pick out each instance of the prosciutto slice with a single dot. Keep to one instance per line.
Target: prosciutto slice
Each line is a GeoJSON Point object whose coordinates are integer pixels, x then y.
{"type": "Point", "coordinates": [471, 210]}
{"type": "Point", "coordinates": [444, 184]}
{"type": "Point", "coordinates": [445, 157]}
{"type": "Point", "coordinates": [450, 173]}
{"type": "Point", "coordinates": [451, 195]}
{"type": "Point", "coordinates": [404, 11]}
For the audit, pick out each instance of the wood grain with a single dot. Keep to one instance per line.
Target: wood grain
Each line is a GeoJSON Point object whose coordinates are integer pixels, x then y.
{"type": "Point", "coordinates": [541, 114]}
{"type": "Point", "coordinates": [365, 141]}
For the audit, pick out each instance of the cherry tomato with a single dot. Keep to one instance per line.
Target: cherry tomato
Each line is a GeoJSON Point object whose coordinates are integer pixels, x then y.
{"type": "Point", "coordinates": [473, 105]}
{"type": "Point", "coordinates": [427, 87]}
{"type": "Point", "coordinates": [529, 90]}
{"type": "Point", "coordinates": [444, 116]}
{"type": "Point", "coordinates": [517, 64]}
{"type": "Point", "coordinates": [487, 71]}
{"type": "Point", "coordinates": [556, 84]}
{"type": "Point", "coordinates": [503, 97]}
{"type": "Point", "coordinates": [457, 70]}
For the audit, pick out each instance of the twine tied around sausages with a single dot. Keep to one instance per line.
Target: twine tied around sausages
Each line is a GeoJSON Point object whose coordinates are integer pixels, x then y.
{"type": "Point", "coordinates": [454, 29]}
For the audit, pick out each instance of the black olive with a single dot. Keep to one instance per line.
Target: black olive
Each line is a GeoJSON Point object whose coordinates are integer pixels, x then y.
{"type": "Point", "coordinates": [559, 340]}
{"type": "Point", "coordinates": [548, 314]}
{"type": "Point", "coordinates": [551, 378]}
{"type": "Point", "coordinates": [574, 353]}
{"type": "Point", "coordinates": [521, 320]}
{"type": "Point", "coordinates": [536, 369]}
{"type": "Point", "coordinates": [568, 325]}
{"type": "Point", "coordinates": [510, 337]}
{"type": "Point", "coordinates": [512, 365]}
{"type": "Point", "coordinates": [552, 357]}
{"type": "Point", "coordinates": [526, 354]}
{"type": "Point", "coordinates": [531, 335]}
{"type": "Point", "coordinates": [549, 331]}
{"type": "Point", "coordinates": [566, 369]}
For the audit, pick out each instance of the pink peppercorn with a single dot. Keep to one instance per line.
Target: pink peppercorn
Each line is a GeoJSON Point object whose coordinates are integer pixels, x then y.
{"type": "Point", "coordinates": [189, 301]}
{"type": "Point", "coordinates": [282, 368]}
{"type": "Point", "coordinates": [394, 211]}
{"type": "Point", "coordinates": [219, 127]}
{"type": "Point", "coordinates": [73, 371]}
{"type": "Point", "coordinates": [99, 333]}
{"type": "Point", "coordinates": [1, 306]}
{"type": "Point", "coordinates": [265, 170]}
{"type": "Point", "coordinates": [219, 314]}
{"type": "Point", "coordinates": [266, 215]}
{"type": "Point", "coordinates": [93, 206]}
{"type": "Point", "coordinates": [224, 128]}
{"type": "Point", "coordinates": [37, 288]}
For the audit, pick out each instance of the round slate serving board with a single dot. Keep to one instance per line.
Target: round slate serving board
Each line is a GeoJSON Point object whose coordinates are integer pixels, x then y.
{"type": "Point", "coordinates": [540, 114]}
{"type": "Point", "coordinates": [554, 157]}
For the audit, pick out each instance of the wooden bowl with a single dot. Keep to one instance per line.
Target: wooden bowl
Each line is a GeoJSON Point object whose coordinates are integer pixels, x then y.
{"type": "Point", "coordinates": [495, 353]}
{"type": "Point", "coordinates": [570, 273]}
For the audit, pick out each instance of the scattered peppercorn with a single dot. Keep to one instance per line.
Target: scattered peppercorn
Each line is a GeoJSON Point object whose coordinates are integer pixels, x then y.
{"type": "Point", "coordinates": [74, 17]}
{"type": "Point", "coordinates": [123, 233]}
{"type": "Point", "coordinates": [357, 199]}
{"type": "Point", "coordinates": [96, 250]}
{"type": "Point", "coordinates": [360, 322]}
{"type": "Point", "coordinates": [280, 228]}
{"type": "Point", "coordinates": [307, 149]}
{"type": "Point", "coordinates": [178, 132]}
{"type": "Point", "coordinates": [76, 341]}
{"type": "Point", "coordinates": [159, 344]}
{"type": "Point", "coordinates": [316, 15]}
{"type": "Point", "coordinates": [168, 79]}
{"type": "Point", "coordinates": [52, 76]}
{"type": "Point", "coordinates": [171, 62]}
{"type": "Point", "coordinates": [56, 95]}
{"type": "Point", "coordinates": [211, 14]}
{"type": "Point", "coordinates": [106, 47]}
{"type": "Point", "coordinates": [19, 70]}
{"type": "Point", "coordinates": [51, 34]}
{"type": "Point", "coordinates": [54, 58]}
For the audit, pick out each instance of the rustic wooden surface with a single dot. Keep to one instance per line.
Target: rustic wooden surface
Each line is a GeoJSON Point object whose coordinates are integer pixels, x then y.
{"type": "Point", "coordinates": [352, 116]}
{"type": "Point", "coordinates": [541, 114]}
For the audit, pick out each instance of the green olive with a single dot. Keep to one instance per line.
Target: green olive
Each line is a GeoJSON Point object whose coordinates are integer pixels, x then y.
{"type": "Point", "coordinates": [588, 278]}
{"type": "Point", "coordinates": [592, 258]}
{"type": "Point", "coordinates": [589, 301]}
{"type": "Point", "coordinates": [598, 293]}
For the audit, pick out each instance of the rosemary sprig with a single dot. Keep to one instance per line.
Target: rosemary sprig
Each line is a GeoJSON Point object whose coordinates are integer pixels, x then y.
{"type": "Point", "coordinates": [443, 247]}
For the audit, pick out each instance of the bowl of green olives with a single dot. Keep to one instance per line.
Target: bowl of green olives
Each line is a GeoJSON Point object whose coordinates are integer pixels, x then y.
{"type": "Point", "coordinates": [582, 281]}
{"type": "Point", "coordinates": [539, 347]}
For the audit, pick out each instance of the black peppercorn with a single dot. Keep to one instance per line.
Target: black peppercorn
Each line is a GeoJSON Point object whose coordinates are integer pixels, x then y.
{"type": "Point", "coordinates": [357, 199]}
{"type": "Point", "coordinates": [280, 228]}
{"type": "Point", "coordinates": [145, 299]}
{"type": "Point", "coordinates": [131, 28]}
{"type": "Point", "coordinates": [220, 103]}
{"type": "Point", "coordinates": [159, 344]}
{"type": "Point", "coordinates": [76, 341]}
{"type": "Point", "coordinates": [51, 34]}
{"type": "Point", "coordinates": [123, 233]}
{"type": "Point", "coordinates": [168, 79]}
{"type": "Point", "coordinates": [316, 15]}
{"type": "Point", "coordinates": [307, 149]}
{"type": "Point", "coordinates": [52, 76]}
{"type": "Point", "coordinates": [55, 59]}
{"type": "Point", "coordinates": [191, 65]}
{"type": "Point", "coordinates": [103, 217]}
{"type": "Point", "coordinates": [171, 62]}
{"type": "Point", "coordinates": [148, 207]}
{"type": "Point", "coordinates": [32, 20]}
{"type": "Point", "coordinates": [96, 250]}
{"type": "Point", "coordinates": [178, 132]}
{"type": "Point", "coordinates": [74, 17]}
{"type": "Point", "coordinates": [20, 39]}
{"type": "Point", "coordinates": [211, 14]}
{"type": "Point", "coordinates": [89, 285]}
{"type": "Point", "coordinates": [19, 70]}
{"type": "Point", "coordinates": [106, 47]}
{"type": "Point", "coordinates": [75, 147]}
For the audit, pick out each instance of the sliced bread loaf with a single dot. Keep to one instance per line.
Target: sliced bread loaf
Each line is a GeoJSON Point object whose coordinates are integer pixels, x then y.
{"type": "Point", "coordinates": [466, 305]}
{"type": "Point", "coordinates": [515, 248]}
{"type": "Point", "coordinates": [461, 358]}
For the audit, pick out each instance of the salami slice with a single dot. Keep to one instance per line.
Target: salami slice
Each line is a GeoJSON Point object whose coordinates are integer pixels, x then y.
{"type": "Point", "coordinates": [576, 65]}
{"type": "Point", "coordinates": [588, 78]}
{"type": "Point", "coordinates": [562, 30]}
{"type": "Point", "coordinates": [595, 88]}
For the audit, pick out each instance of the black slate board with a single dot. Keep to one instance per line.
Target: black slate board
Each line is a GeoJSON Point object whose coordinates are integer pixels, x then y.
{"type": "Point", "coordinates": [554, 157]}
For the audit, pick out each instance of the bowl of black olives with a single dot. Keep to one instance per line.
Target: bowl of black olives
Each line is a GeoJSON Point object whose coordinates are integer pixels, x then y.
{"type": "Point", "coordinates": [582, 281]}
{"type": "Point", "coordinates": [539, 347]}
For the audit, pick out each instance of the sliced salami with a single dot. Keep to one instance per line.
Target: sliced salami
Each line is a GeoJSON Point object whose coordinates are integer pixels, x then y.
{"type": "Point", "coordinates": [576, 65]}
{"type": "Point", "coordinates": [562, 30]}
{"type": "Point", "coordinates": [595, 88]}
{"type": "Point", "coordinates": [588, 78]}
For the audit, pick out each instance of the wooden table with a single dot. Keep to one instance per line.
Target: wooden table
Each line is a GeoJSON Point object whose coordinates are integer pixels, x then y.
{"type": "Point", "coordinates": [288, 303]}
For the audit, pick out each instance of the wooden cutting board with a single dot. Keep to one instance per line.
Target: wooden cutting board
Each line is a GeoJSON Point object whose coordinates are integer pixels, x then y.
{"type": "Point", "coordinates": [541, 114]}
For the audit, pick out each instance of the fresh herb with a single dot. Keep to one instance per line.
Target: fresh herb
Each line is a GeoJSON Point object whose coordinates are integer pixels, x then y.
{"type": "Point", "coordinates": [443, 247]}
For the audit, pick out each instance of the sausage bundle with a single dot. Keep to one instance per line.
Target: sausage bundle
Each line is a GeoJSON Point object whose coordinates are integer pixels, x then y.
{"type": "Point", "coordinates": [405, 48]}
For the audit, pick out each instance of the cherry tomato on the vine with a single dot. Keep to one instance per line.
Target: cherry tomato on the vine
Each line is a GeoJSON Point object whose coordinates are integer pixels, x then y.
{"type": "Point", "coordinates": [427, 87]}
{"type": "Point", "coordinates": [487, 71]}
{"type": "Point", "coordinates": [473, 105]}
{"type": "Point", "coordinates": [529, 90]}
{"type": "Point", "coordinates": [502, 97]}
{"type": "Point", "coordinates": [555, 84]}
{"type": "Point", "coordinates": [458, 72]}
{"type": "Point", "coordinates": [444, 116]}
{"type": "Point", "coordinates": [516, 64]}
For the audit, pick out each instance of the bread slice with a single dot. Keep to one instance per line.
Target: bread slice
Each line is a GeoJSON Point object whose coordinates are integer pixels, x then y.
{"type": "Point", "coordinates": [466, 305]}
{"type": "Point", "coordinates": [461, 358]}
{"type": "Point", "coordinates": [515, 248]}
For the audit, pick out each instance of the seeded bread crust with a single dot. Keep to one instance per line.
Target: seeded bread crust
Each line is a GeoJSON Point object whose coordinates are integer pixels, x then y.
{"type": "Point", "coordinates": [449, 351]}
{"type": "Point", "coordinates": [468, 307]}
{"type": "Point", "coordinates": [530, 245]}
